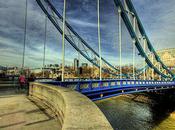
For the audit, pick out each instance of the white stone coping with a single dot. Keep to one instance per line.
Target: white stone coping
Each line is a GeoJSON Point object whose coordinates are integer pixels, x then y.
{"type": "Point", "coordinates": [74, 110]}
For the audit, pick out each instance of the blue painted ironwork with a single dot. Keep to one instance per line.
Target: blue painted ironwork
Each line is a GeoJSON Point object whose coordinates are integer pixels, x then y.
{"type": "Point", "coordinates": [129, 27]}
{"type": "Point", "coordinates": [127, 22]}
{"type": "Point", "coordinates": [78, 37]}
{"type": "Point", "coordinates": [109, 88]}
{"type": "Point", "coordinates": [100, 89]}
{"type": "Point", "coordinates": [141, 28]}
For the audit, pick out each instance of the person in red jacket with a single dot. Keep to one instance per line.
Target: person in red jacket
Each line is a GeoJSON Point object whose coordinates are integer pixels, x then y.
{"type": "Point", "coordinates": [22, 82]}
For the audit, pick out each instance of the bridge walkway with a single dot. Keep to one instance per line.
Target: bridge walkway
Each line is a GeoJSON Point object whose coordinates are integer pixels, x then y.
{"type": "Point", "coordinates": [18, 112]}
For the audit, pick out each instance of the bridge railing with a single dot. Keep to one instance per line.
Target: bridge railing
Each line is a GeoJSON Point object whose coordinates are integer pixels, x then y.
{"type": "Point", "coordinates": [93, 85]}
{"type": "Point", "coordinates": [71, 79]}
{"type": "Point", "coordinates": [68, 107]}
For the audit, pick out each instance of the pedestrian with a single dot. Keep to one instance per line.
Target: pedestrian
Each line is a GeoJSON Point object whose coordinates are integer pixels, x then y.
{"type": "Point", "coordinates": [30, 79]}
{"type": "Point", "coordinates": [22, 82]}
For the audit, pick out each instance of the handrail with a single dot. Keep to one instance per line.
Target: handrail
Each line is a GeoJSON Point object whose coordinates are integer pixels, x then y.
{"type": "Point", "coordinates": [113, 83]}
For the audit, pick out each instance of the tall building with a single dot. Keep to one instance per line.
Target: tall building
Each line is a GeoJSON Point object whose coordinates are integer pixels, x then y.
{"type": "Point", "coordinates": [76, 64]}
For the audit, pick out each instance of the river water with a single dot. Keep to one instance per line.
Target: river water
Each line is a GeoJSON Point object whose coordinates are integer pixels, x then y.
{"type": "Point", "coordinates": [139, 112]}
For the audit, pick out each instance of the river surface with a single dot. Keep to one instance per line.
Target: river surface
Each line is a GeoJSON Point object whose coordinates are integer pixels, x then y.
{"type": "Point", "coordinates": [138, 112]}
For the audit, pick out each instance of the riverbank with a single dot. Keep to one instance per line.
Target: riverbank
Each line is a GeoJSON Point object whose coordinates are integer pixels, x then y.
{"type": "Point", "coordinates": [145, 111]}
{"type": "Point", "coordinates": [167, 123]}
{"type": "Point", "coordinates": [172, 115]}
{"type": "Point", "coordinates": [142, 98]}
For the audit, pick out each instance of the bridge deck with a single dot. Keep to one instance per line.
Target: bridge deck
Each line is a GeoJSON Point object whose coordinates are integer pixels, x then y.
{"type": "Point", "coordinates": [18, 112]}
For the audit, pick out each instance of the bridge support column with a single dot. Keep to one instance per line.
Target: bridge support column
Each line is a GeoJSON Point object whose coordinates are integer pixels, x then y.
{"type": "Point", "coordinates": [44, 52]}
{"type": "Point", "coordinates": [25, 37]}
{"type": "Point", "coordinates": [160, 71]}
{"type": "Point", "coordinates": [152, 55]}
{"type": "Point", "coordinates": [99, 37]}
{"type": "Point", "coordinates": [120, 40]}
{"type": "Point", "coordinates": [134, 49]}
{"type": "Point", "coordinates": [144, 46]}
{"type": "Point", "coordinates": [63, 40]}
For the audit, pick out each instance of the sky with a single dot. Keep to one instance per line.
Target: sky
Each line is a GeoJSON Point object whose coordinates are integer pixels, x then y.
{"type": "Point", "coordinates": [158, 19]}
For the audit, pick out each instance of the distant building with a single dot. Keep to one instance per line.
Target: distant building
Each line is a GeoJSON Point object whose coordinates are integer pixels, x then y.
{"type": "Point", "coordinates": [84, 64]}
{"type": "Point", "coordinates": [36, 70]}
{"type": "Point", "coordinates": [76, 64]}
{"type": "Point", "coordinates": [12, 71]}
{"type": "Point", "coordinates": [167, 56]}
{"type": "Point", "coordinates": [3, 68]}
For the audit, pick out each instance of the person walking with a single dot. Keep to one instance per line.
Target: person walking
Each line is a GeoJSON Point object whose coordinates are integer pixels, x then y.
{"type": "Point", "coordinates": [22, 82]}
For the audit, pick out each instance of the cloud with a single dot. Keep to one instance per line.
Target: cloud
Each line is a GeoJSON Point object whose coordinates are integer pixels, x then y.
{"type": "Point", "coordinates": [158, 18]}
{"type": "Point", "coordinates": [12, 33]}
{"type": "Point", "coordinates": [84, 24]}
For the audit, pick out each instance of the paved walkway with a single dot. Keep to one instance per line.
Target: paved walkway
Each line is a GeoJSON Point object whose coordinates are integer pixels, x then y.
{"type": "Point", "coordinates": [17, 112]}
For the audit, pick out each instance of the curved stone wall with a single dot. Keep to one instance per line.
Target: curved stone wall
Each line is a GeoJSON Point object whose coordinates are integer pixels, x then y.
{"type": "Point", "coordinates": [74, 110]}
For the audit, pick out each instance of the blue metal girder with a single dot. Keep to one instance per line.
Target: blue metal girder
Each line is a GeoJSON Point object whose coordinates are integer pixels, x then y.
{"type": "Point", "coordinates": [84, 42]}
{"type": "Point", "coordinates": [68, 39]}
{"type": "Point", "coordinates": [137, 43]}
{"type": "Point", "coordinates": [132, 9]}
{"type": "Point", "coordinates": [116, 90]}
{"type": "Point", "coordinates": [128, 92]}
{"type": "Point", "coordinates": [110, 84]}
{"type": "Point", "coordinates": [140, 71]}
{"type": "Point", "coordinates": [56, 12]}
{"type": "Point", "coordinates": [107, 88]}
{"type": "Point", "coordinates": [79, 37]}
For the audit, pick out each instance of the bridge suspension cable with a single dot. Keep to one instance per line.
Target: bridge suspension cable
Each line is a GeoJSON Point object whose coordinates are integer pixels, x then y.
{"type": "Point", "coordinates": [144, 64]}
{"type": "Point", "coordinates": [75, 35]}
{"type": "Point", "coordinates": [44, 48]}
{"type": "Point", "coordinates": [25, 35]}
{"type": "Point", "coordinates": [99, 37]}
{"type": "Point", "coordinates": [150, 47]}
{"type": "Point", "coordinates": [133, 21]}
{"type": "Point", "coordinates": [120, 40]}
{"type": "Point", "coordinates": [152, 58]}
{"type": "Point", "coordinates": [72, 42]}
{"type": "Point", "coordinates": [159, 70]}
{"type": "Point", "coordinates": [63, 40]}
{"type": "Point", "coordinates": [134, 49]}
{"type": "Point", "coordinates": [128, 24]}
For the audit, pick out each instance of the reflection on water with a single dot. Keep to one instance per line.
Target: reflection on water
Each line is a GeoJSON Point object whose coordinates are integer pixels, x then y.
{"type": "Point", "coordinates": [167, 124]}
{"type": "Point", "coordinates": [124, 113]}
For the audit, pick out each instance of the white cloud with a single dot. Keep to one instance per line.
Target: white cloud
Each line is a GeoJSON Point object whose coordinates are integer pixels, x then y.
{"type": "Point", "coordinates": [158, 18]}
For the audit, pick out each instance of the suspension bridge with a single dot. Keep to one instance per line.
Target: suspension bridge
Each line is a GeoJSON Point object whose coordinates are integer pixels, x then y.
{"type": "Point", "coordinates": [123, 83]}
{"type": "Point", "coordinates": [154, 75]}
